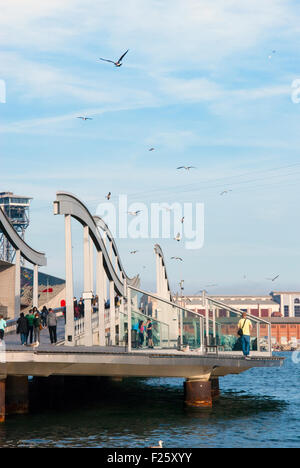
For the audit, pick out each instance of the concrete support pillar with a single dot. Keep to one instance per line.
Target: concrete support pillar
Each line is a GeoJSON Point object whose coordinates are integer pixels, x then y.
{"type": "Point", "coordinates": [17, 395]}
{"type": "Point", "coordinates": [201, 393]}
{"type": "Point", "coordinates": [87, 295]}
{"type": "Point", "coordinates": [92, 263]}
{"type": "Point", "coordinates": [129, 318]}
{"type": "Point", "coordinates": [112, 313]}
{"type": "Point", "coordinates": [35, 298]}
{"type": "Point", "coordinates": [2, 400]}
{"type": "Point", "coordinates": [69, 329]}
{"type": "Point", "coordinates": [18, 284]}
{"type": "Point", "coordinates": [100, 293]}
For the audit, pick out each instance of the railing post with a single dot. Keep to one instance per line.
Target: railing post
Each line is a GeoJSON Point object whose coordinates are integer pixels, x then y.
{"type": "Point", "coordinates": [129, 319]}
{"type": "Point", "coordinates": [18, 284]}
{"type": "Point", "coordinates": [204, 301]}
{"type": "Point", "coordinates": [214, 326]}
{"type": "Point", "coordinates": [270, 339]}
{"type": "Point", "coordinates": [258, 335]}
{"type": "Point", "coordinates": [69, 328]}
{"type": "Point", "coordinates": [181, 325]}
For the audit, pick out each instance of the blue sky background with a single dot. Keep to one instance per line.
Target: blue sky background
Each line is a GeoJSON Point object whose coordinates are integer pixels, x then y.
{"type": "Point", "coordinates": [199, 86]}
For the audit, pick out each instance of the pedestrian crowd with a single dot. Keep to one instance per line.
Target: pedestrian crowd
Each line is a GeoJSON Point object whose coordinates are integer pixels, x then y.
{"type": "Point", "coordinates": [29, 326]}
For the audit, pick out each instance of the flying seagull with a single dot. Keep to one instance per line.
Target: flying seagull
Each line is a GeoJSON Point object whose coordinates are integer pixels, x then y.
{"type": "Point", "coordinates": [134, 213]}
{"type": "Point", "coordinates": [108, 196]}
{"type": "Point", "coordinates": [152, 149]}
{"type": "Point", "coordinates": [177, 258]}
{"type": "Point", "coordinates": [84, 118]}
{"type": "Point", "coordinates": [118, 63]}
{"type": "Point", "coordinates": [182, 220]}
{"type": "Point", "coordinates": [187, 168]}
{"type": "Point", "coordinates": [134, 252]}
{"type": "Point", "coordinates": [178, 237]}
{"type": "Point", "coordinates": [273, 279]}
{"type": "Point", "coordinates": [225, 191]}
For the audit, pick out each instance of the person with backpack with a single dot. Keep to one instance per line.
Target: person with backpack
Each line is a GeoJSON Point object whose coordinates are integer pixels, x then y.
{"type": "Point", "coordinates": [244, 331]}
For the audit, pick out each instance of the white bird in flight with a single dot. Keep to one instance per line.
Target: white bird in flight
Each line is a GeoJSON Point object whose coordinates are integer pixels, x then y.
{"type": "Point", "coordinates": [134, 252]}
{"type": "Point", "coordinates": [118, 63]}
{"type": "Point", "coordinates": [177, 258]}
{"type": "Point", "coordinates": [178, 237]}
{"type": "Point", "coordinates": [273, 52]}
{"type": "Point", "coordinates": [187, 168]}
{"type": "Point", "coordinates": [134, 213]}
{"type": "Point", "coordinates": [152, 149]}
{"type": "Point", "coordinates": [273, 279]}
{"type": "Point", "coordinates": [84, 118]}
{"type": "Point", "coordinates": [225, 191]}
{"type": "Point", "coordinates": [108, 196]}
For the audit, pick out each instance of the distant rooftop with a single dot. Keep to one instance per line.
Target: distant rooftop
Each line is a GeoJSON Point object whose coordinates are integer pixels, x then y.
{"type": "Point", "coordinates": [11, 194]}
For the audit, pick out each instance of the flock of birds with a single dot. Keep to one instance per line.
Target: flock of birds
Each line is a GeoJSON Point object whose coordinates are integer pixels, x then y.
{"type": "Point", "coordinates": [118, 63]}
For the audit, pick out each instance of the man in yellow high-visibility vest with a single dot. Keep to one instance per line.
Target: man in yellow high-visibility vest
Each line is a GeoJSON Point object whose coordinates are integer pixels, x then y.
{"type": "Point", "coordinates": [246, 326]}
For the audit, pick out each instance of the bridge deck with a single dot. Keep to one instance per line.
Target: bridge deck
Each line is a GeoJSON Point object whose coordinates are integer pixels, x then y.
{"type": "Point", "coordinates": [49, 359]}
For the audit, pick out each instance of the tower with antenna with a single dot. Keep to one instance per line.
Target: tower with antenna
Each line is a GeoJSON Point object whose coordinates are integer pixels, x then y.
{"type": "Point", "coordinates": [16, 208]}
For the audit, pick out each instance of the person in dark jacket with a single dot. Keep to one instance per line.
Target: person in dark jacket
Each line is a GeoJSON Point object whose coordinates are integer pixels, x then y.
{"type": "Point", "coordinates": [22, 329]}
{"type": "Point", "coordinates": [44, 315]}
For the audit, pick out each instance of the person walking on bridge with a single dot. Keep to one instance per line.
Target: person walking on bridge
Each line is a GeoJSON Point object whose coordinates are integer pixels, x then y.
{"type": "Point", "coordinates": [52, 325]}
{"type": "Point", "coordinates": [149, 334]}
{"type": "Point", "coordinates": [37, 325]}
{"type": "Point", "coordinates": [22, 329]}
{"type": "Point", "coordinates": [2, 327]}
{"type": "Point", "coordinates": [30, 320]}
{"type": "Point", "coordinates": [44, 315]}
{"type": "Point", "coordinates": [141, 333]}
{"type": "Point", "coordinates": [244, 330]}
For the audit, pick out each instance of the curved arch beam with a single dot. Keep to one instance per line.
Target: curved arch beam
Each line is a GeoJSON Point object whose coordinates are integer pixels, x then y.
{"type": "Point", "coordinates": [68, 204]}
{"type": "Point", "coordinates": [31, 255]}
{"type": "Point", "coordinates": [134, 282]}
{"type": "Point", "coordinates": [163, 285]}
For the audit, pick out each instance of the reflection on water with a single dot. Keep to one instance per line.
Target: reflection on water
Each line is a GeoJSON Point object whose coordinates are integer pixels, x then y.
{"type": "Point", "coordinates": [258, 408]}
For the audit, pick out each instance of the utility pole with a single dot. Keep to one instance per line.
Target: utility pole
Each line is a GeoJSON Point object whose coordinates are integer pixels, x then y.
{"type": "Point", "coordinates": [181, 285]}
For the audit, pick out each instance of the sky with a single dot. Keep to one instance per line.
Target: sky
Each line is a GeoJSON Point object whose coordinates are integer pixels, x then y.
{"type": "Point", "coordinates": [207, 84]}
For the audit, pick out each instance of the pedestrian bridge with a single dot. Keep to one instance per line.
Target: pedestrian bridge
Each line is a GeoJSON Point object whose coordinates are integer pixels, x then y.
{"type": "Point", "coordinates": [105, 341]}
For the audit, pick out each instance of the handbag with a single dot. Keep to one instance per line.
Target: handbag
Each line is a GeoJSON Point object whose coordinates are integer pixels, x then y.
{"type": "Point", "coordinates": [240, 330]}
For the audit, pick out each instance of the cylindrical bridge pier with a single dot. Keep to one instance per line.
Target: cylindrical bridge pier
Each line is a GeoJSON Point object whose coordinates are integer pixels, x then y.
{"type": "Point", "coordinates": [201, 393]}
{"type": "Point", "coordinates": [13, 396]}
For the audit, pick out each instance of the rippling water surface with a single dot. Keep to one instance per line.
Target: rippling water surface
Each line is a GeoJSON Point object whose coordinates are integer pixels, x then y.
{"type": "Point", "coordinates": [260, 408]}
